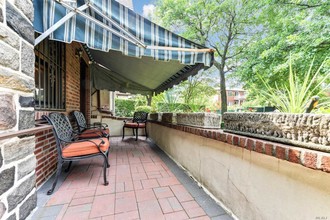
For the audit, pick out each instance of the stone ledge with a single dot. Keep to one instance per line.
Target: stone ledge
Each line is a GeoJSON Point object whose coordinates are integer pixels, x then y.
{"type": "Point", "coordinates": [308, 158]}
{"type": "Point", "coordinates": [309, 131]}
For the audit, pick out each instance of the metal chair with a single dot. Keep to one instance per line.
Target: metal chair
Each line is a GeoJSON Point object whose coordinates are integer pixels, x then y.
{"type": "Point", "coordinates": [71, 148]}
{"type": "Point", "coordinates": [139, 121]}
{"type": "Point", "coordinates": [89, 131]}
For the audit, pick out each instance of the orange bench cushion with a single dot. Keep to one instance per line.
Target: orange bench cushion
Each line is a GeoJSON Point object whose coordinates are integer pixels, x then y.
{"type": "Point", "coordinates": [85, 148]}
{"type": "Point", "coordinates": [134, 125]}
{"type": "Point", "coordinates": [94, 133]}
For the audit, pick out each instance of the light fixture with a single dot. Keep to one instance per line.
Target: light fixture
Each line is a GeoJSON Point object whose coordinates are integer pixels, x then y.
{"type": "Point", "coordinates": [79, 52]}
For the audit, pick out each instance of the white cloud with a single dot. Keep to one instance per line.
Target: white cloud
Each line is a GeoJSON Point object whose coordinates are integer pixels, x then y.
{"type": "Point", "coordinates": [149, 10]}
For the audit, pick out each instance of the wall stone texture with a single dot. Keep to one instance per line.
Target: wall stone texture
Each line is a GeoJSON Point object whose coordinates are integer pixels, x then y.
{"type": "Point", "coordinates": [20, 193]}
{"type": "Point", "coordinates": [28, 206]}
{"type": "Point", "coordinates": [13, 80]}
{"type": "Point", "coordinates": [26, 119]}
{"type": "Point", "coordinates": [17, 159]}
{"type": "Point", "coordinates": [304, 130]}
{"type": "Point", "coordinates": [26, 6]}
{"type": "Point", "coordinates": [7, 179]}
{"type": "Point", "coordinates": [26, 101]}
{"type": "Point", "coordinates": [26, 167]}
{"type": "Point", "coordinates": [8, 112]}
{"type": "Point", "coordinates": [9, 57]}
{"type": "Point", "coordinates": [8, 36]}
{"type": "Point", "coordinates": [17, 149]}
{"type": "Point", "coordinates": [200, 119]}
{"type": "Point", "coordinates": [27, 57]}
{"type": "Point", "coordinates": [19, 23]}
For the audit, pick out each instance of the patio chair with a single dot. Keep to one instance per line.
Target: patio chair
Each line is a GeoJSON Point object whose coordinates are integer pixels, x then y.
{"type": "Point", "coordinates": [139, 121]}
{"type": "Point", "coordinates": [70, 148]}
{"type": "Point", "coordinates": [89, 131]}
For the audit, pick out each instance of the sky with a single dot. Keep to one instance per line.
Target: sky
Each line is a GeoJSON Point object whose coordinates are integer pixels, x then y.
{"type": "Point", "coordinates": [143, 7]}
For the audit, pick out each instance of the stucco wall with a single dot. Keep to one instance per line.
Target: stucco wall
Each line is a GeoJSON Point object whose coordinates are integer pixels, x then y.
{"type": "Point", "coordinates": [116, 126]}
{"type": "Point", "coordinates": [252, 185]}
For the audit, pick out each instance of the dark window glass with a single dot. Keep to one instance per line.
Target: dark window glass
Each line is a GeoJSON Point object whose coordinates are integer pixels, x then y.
{"type": "Point", "coordinates": [50, 75]}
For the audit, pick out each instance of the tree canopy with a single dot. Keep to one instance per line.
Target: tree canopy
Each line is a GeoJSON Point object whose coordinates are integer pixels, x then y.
{"type": "Point", "coordinates": [220, 24]}
{"type": "Point", "coordinates": [254, 38]}
{"type": "Point", "coordinates": [291, 28]}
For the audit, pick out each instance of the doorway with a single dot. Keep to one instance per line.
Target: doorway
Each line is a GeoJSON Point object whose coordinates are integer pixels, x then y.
{"type": "Point", "coordinates": [83, 88]}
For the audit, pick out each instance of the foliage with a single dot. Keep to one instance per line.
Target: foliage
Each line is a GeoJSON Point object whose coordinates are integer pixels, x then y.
{"type": "Point", "coordinates": [179, 107]}
{"type": "Point", "coordinates": [196, 91]}
{"type": "Point", "coordinates": [124, 107]}
{"type": "Point", "coordinates": [140, 100]}
{"type": "Point", "coordinates": [294, 96]}
{"type": "Point", "coordinates": [166, 101]}
{"type": "Point", "coordinates": [225, 25]}
{"type": "Point", "coordinates": [191, 95]}
{"type": "Point", "coordinates": [297, 27]}
{"type": "Point", "coordinates": [143, 108]}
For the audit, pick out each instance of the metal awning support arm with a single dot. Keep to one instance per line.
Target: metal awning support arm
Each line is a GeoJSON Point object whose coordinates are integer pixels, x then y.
{"type": "Point", "coordinates": [101, 24]}
{"type": "Point", "coordinates": [58, 24]}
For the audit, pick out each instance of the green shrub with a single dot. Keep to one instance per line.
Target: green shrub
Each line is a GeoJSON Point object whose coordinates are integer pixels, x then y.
{"type": "Point", "coordinates": [124, 107]}
{"type": "Point", "coordinates": [143, 108]}
{"type": "Point", "coordinates": [179, 107]}
{"type": "Point", "coordinates": [295, 96]}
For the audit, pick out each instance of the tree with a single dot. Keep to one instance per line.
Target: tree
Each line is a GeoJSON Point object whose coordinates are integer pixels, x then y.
{"type": "Point", "coordinates": [197, 90]}
{"type": "Point", "coordinates": [291, 28]}
{"type": "Point", "coordinates": [226, 25]}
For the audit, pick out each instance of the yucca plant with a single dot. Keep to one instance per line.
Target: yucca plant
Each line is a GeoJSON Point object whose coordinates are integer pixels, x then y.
{"type": "Point", "coordinates": [294, 97]}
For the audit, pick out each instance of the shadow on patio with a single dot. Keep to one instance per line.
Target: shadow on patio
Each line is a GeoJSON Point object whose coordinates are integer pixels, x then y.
{"type": "Point", "coordinates": [144, 183]}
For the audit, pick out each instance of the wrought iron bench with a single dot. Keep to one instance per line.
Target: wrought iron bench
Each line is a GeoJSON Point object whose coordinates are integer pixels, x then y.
{"type": "Point", "coordinates": [71, 148]}
{"type": "Point", "coordinates": [89, 131]}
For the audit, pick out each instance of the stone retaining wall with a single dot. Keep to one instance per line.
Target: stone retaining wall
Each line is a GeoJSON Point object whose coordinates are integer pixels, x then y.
{"type": "Point", "coordinates": [17, 160]}
{"type": "Point", "coordinates": [304, 130]}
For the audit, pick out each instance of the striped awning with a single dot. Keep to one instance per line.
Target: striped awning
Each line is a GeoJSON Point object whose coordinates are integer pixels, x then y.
{"type": "Point", "coordinates": [106, 25]}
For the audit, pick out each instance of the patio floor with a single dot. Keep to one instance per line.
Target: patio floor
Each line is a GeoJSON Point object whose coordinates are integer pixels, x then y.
{"type": "Point", "coordinates": [144, 183]}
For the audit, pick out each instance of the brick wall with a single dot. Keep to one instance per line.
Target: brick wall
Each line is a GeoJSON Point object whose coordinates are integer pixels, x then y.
{"type": "Point", "coordinates": [45, 149]}
{"type": "Point", "coordinates": [17, 161]}
{"type": "Point", "coordinates": [46, 154]}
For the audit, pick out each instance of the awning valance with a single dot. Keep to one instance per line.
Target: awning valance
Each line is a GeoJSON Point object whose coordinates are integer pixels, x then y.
{"type": "Point", "coordinates": [106, 26]}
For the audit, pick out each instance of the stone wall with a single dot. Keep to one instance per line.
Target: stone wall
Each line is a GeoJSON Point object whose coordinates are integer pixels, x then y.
{"type": "Point", "coordinates": [304, 130]}
{"type": "Point", "coordinates": [199, 119]}
{"type": "Point", "coordinates": [17, 160]}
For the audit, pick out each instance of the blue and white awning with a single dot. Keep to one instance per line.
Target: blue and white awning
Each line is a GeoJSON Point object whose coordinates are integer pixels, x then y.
{"type": "Point", "coordinates": [106, 25]}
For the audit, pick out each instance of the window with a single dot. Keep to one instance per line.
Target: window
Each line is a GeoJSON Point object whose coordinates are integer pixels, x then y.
{"type": "Point", "coordinates": [231, 93]}
{"type": "Point", "coordinates": [50, 75]}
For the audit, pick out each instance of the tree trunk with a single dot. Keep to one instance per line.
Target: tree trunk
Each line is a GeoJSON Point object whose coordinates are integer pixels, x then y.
{"type": "Point", "coordinates": [149, 98]}
{"type": "Point", "coordinates": [223, 91]}
{"type": "Point", "coordinates": [223, 94]}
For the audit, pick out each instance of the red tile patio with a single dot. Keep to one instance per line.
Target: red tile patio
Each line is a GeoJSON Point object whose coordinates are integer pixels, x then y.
{"type": "Point", "coordinates": [141, 186]}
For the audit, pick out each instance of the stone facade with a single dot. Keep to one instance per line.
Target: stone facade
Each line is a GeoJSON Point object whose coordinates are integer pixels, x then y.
{"type": "Point", "coordinates": [155, 116]}
{"type": "Point", "coordinates": [303, 130]}
{"type": "Point", "coordinates": [169, 118]}
{"type": "Point", "coordinates": [17, 159]}
{"type": "Point", "coordinates": [201, 119]}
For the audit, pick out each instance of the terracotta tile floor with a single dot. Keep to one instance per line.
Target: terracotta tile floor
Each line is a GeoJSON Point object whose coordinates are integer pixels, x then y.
{"type": "Point", "coordinates": [143, 184]}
